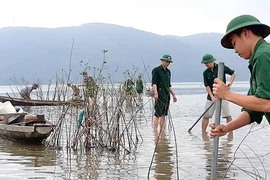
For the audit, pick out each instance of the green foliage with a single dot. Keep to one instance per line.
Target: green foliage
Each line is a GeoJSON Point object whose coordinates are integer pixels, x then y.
{"type": "Point", "coordinates": [73, 86]}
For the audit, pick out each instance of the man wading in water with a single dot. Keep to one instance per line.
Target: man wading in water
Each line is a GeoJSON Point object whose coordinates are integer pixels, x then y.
{"type": "Point", "coordinates": [161, 82]}
{"type": "Point", "coordinates": [245, 34]}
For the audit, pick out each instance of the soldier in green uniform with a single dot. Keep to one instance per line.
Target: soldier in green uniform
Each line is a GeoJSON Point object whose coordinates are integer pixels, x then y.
{"type": "Point", "coordinates": [91, 87]}
{"type": "Point", "coordinates": [161, 82]}
{"type": "Point", "coordinates": [129, 87]}
{"type": "Point", "coordinates": [76, 92]}
{"type": "Point", "coordinates": [139, 87]}
{"type": "Point", "coordinates": [209, 75]}
{"type": "Point", "coordinates": [245, 35]}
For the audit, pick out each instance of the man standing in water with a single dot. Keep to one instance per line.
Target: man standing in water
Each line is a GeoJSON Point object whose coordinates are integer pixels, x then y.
{"type": "Point", "coordinates": [139, 87]}
{"type": "Point", "coordinates": [91, 87]}
{"type": "Point", "coordinates": [209, 75]}
{"type": "Point", "coordinates": [245, 34]}
{"type": "Point", "coordinates": [161, 82]}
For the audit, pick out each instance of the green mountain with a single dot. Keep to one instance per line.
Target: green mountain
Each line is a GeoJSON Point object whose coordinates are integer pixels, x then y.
{"type": "Point", "coordinates": [41, 53]}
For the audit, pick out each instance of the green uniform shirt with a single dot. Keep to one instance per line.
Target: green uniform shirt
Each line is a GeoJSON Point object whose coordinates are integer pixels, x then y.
{"type": "Point", "coordinates": [139, 86]}
{"type": "Point", "coordinates": [129, 86]}
{"type": "Point", "coordinates": [162, 78]}
{"type": "Point", "coordinates": [90, 86]}
{"type": "Point", "coordinates": [259, 66]}
{"type": "Point", "coordinates": [209, 76]}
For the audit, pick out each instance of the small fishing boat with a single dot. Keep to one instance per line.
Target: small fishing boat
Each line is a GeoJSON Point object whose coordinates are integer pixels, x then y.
{"type": "Point", "coordinates": [23, 102]}
{"type": "Point", "coordinates": [28, 128]}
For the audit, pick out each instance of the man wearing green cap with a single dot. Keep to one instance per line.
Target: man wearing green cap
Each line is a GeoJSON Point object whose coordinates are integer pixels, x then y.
{"type": "Point", "coordinates": [139, 87]}
{"type": "Point", "coordinates": [245, 35]}
{"type": "Point", "coordinates": [91, 87]}
{"type": "Point", "coordinates": [209, 75]}
{"type": "Point", "coordinates": [161, 82]}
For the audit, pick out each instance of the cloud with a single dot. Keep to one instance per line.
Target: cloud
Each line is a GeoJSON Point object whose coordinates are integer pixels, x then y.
{"type": "Point", "coordinates": [165, 17]}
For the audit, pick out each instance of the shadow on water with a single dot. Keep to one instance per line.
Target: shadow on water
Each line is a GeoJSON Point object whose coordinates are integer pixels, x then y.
{"type": "Point", "coordinates": [224, 156]}
{"type": "Point", "coordinates": [163, 157]}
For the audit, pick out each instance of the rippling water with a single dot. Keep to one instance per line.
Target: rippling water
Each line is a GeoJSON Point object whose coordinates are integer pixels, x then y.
{"type": "Point", "coordinates": [175, 153]}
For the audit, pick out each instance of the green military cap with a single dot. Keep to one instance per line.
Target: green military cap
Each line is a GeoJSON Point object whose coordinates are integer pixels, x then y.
{"type": "Point", "coordinates": [166, 57]}
{"type": "Point", "coordinates": [241, 22]}
{"type": "Point", "coordinates": [207, 58]}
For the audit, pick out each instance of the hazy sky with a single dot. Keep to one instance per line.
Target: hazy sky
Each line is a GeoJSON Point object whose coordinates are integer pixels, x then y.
{"type": "Point", "coordinates": [164, 17]}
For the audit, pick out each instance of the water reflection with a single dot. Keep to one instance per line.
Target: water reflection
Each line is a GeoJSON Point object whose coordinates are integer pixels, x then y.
{"type": "Point", "coordinates": [31, 155]}
{"type": "Point", "coordinates": [83, 166]}
{"type": "Point", "coordinates": [142, 113]}
{"type": "Point", "coordinates": [96, 165]}
{"type": "Point", "coordinates": [163, 157]}
{"type": "Point", "coordinates": [224, 155]}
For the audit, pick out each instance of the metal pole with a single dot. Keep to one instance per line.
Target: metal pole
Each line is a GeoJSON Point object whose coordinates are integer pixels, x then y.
{"type": "Point", "coordinates": [201, 117]}
{"type": "Point", "coordinates": [217, 122]}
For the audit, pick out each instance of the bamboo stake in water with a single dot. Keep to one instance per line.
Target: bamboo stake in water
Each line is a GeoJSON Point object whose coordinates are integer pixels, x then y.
{"type": "Point", "coordinates": [217, 122]}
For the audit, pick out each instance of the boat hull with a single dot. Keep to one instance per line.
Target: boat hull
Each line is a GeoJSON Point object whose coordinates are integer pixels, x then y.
{"type": "Point", "coordinates": [24, 102]}
{"type": "Point", "coordinates": [32, 133]}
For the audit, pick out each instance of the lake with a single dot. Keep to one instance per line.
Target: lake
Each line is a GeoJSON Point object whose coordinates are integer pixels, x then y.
{"type": "Point", "coordinates": [177, 154]}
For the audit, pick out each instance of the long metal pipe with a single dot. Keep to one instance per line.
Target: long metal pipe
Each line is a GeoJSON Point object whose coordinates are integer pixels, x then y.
{"type": "Point", "coordinates": [217, 122]}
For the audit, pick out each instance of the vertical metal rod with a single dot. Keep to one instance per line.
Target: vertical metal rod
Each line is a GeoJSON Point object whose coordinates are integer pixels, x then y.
{"type": "Point", "coordinates": [217, 122]}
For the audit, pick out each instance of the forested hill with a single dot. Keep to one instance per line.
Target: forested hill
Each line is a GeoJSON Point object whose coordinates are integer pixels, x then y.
{"type": "Point", "coordinates": [31, 54]}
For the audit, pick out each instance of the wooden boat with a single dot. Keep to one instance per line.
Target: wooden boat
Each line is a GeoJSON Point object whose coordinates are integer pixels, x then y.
{"type": "Point", "coordinates": [25, 131]}
{"type": "Point", "coordinates": [34, 133]}
{"type": "Point", "coordinates": [23, 102]}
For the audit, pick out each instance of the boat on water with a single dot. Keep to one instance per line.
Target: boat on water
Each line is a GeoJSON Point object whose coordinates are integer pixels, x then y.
{"type": "Point", "coordinates": [23, 102]}
{"type": "Point", "coordinates": [28, 133]}
{"type": "Point", "coordinates": [23, 127]}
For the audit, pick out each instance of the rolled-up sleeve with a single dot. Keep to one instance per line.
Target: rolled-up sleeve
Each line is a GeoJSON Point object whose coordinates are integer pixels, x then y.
{"type": "Point", "coordinates": [262, 74]}
{"type": "Point", "coordinates": [154, 76]}
{"type": "Point", "coordinates": [255, 116]}
{"type": "Point", "coordinates": [170, 85]}
{"type": "Point", "coordinates": [205, 79]}
{"type": "Point", "coordinates": [227, 70]}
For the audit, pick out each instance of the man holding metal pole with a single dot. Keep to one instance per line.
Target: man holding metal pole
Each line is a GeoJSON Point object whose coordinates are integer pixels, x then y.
{"type": "Point", "coordinates": [208, 77]}
{"type": "Point", "coordinates": [245, 34]}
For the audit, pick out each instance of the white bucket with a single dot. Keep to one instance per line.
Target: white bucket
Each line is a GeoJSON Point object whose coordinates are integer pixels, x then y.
{"type": "Point", "coordinates": [6, 108]}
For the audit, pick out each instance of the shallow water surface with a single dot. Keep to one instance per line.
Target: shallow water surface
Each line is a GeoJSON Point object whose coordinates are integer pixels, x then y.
{"type": "Point", "coordinates": [170, 155]}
